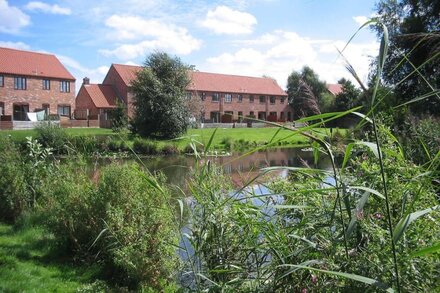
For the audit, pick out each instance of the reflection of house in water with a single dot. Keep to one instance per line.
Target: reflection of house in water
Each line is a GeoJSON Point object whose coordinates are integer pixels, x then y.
{"type": "Point", "coordinates": [246, 168]}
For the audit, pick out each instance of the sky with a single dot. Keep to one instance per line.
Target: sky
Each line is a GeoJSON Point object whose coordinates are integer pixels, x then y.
{"type": "Point", "coordinates": [241, 37]}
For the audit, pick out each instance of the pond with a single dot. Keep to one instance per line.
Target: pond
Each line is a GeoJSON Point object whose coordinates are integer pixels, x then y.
{"type": "Point", "coordinates": [240, 168]}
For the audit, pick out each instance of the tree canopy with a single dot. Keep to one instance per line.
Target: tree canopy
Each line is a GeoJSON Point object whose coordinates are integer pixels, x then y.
{"type": "Point", "coordinates": [160, 106]}
{"type": "Point", "coordinates": [305, 90]}
{"type": "Point", "coordinates": [348, 98]}
{"type": "Point", "coordinates": [414, 34]}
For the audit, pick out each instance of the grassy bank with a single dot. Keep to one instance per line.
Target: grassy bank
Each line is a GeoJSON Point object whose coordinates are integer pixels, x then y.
{"type": "Point", "coordinates": [28, 263]}
{"type": "Point", "coordinates": [229, 139]}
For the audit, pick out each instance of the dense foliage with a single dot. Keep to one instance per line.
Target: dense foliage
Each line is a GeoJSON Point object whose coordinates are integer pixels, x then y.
{"type": "Point", "coordinates": [160, 107]}
{"type": "Point", "coordinates": [414, 44]}
{"type": "Point", "coordinates": [305, 90]}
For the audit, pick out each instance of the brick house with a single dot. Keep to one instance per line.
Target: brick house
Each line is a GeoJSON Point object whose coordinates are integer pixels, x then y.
{"type": "Point", "coordinates": [96, 99]}
{"type": "Point", "coordinates": [225, 97]}
{"type": "Point", "coordinates": [31, 82]}
{"type": "Point", "coordinates": [335, 89]}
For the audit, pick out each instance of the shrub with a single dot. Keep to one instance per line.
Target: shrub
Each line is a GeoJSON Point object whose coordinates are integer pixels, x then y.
{"type": "Point", "coordinates": [145, 147]}
{"type": "Point", "coordinates": [124, 220]}
{"type": "Point", "coordinates": [51, 135]}
{"type": "Point", "coordinates": [13, 191]}
{"type": "Point", "coordinates": [169, 149]}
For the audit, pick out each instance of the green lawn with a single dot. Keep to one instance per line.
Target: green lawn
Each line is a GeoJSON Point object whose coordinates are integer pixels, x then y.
{"type": "Point", "coordinates": [20, 135]}
{"type": "Point", "coordinates": [258, 135]}
{"type": "Point", "coordinates": [28, 264]}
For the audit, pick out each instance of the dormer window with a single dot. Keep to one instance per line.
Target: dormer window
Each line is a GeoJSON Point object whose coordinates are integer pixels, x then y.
{"type": "Point", "coordinates": [65, 86]}
{"type": "Point", "coordinates": [20, 83]}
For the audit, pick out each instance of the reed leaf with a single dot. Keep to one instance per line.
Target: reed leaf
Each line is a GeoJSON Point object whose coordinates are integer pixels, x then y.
{"type": "Point", "coordinates": [427, 250]}
{"type": "Point", "coordinates": [404, 223]}
{"type": "Point", "coordinates": [353, 277]}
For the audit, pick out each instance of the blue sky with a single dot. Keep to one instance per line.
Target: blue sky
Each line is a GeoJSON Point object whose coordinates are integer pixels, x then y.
{"type": "Point", "coordinates": [243, 37]}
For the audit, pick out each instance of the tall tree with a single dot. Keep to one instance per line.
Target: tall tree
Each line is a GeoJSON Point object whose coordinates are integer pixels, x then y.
{"type": "Point", "coordinates": [305, 90]}
{"type": "Point", "coordinates": [348, 98]}
{"type": "Point", "coordinates": [160, 106]}
{"type": "Point", "coordinates": [414, 33]}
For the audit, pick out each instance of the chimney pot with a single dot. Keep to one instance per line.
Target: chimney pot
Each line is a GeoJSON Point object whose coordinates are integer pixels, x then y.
{"type": "Point", "coordinates": [86, 80]}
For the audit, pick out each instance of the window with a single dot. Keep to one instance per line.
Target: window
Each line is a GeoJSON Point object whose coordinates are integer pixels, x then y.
{"type": "Point", "coordinates": [65, 86]}
{"type": "Point", "coordinates": [282, 115]}
{"type": "Point", "coordinates": [20, 83]}
{"type": "Point", "coordinates": [215, 97]}
{"type": "Point", "coordinates": [2, 108]}
{"type": "Point", "coordinates": [262, 99]}
{"type": "Point", "coordinates": [63, 110]}
{"type": "Point", "coordinates": [2, 80]}
{"type": "Point", "coordinates": [251, 114]}
{"type": "Point", "coordinates": [46, 84]}
{"type": "Point", "coordinates": [282, 100]}
{"type": "Point", "coordinates": [240, 98]}
{"type": "Point", "coordinates": [203, 96]}
{"type": "Point", "coordinates": [251, 99]}
{"type": "Point", "coordinates": [188, 95]}
{"type": "Point", "coordinates": [240, 116]}
{"type": "Point", "coordinates": [20, 112]}
{"type": "Point", "coordinates": [228, 98]}
{"type": "Point", "coordinates": [289, 116]}
{"type": "Point", "coordinates": [272, 100]}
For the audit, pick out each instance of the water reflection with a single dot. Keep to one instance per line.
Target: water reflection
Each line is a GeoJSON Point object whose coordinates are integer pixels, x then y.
{"type": "Point", "coordinates": [240, 168]}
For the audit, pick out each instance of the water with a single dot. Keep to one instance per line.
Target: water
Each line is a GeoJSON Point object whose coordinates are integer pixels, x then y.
{"type": "Point", "coordinates": [240, 169]}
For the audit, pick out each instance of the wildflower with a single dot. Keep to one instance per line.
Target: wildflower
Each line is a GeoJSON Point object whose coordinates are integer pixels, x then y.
{"type": "Point", "coordinates": [378, 216]}
{"type": "Point", "coordinates": [314, 279]}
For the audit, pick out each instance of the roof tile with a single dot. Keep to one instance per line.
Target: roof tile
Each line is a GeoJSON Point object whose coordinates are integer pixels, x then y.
{"type": "Point", "coordinates": [103, 96]}
{"type": "Point", "coordinates": [28, 63]}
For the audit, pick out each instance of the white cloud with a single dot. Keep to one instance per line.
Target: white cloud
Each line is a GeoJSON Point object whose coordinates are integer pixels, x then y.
{"type": "Point", "coordinates": [154, 35]}
{"type": "Point", "coordinates": [224, 20]}
{"type": "Point", "coordinates": [47, 8]}
{"type": "Point", "coordinates": [279, 53]}
{"type": "Point", "coordinates": [360, 20]}
{"type": "Point", "coordinates": [12, 19]}
{"type": "Point", "coordinates": [15, 45]}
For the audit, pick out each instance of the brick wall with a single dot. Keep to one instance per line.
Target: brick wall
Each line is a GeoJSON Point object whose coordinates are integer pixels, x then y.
{"type": "Point", "coordinates": [282, 110]}
{"type": "Point", "coordinates": [34, 95]}
{"type": "Point", "coordinates": [122, 90]}
{"type": "Point", "coordinates": [83, 102]}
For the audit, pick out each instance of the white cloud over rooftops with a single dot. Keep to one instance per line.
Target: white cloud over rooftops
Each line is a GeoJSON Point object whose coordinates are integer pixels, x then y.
{"type": "Point", "coordinates": [150, 34]}
{"type": "Point", "coordinates": [12, 19]}
{"type": "Point", "coordinates": [47, 8]}
{"type": "Point", "coordinates": [15, 45]}
{"type": "Point", "coordinates": [224, 20]}
{"type": "Point", "coordinates": [278, 53]}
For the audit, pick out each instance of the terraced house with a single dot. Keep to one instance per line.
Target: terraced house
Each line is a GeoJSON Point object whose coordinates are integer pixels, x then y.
{"type": "Point", "coordinates": [33, 82]}
{"type": "Point", "coordinates": [226, 98]}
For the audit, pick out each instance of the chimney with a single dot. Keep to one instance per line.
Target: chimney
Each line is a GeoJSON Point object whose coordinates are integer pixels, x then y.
{"type": "Point", "coordinates": [86, 80]}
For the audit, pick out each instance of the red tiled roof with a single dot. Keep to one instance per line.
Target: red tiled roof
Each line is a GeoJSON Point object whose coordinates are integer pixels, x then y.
{"type": "Point", "coordinates": [127, 72]}
{"type": "Point", "coordinates": [103, 96]}
{"type": "Point", "coordinates": [334, 89]}
{"type": "Point", "coordinates": [28, 63]}
{"type": "Point", "coordinates": [214, 82]}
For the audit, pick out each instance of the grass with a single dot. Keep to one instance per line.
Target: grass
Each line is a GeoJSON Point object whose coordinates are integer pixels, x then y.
{"type": "Point", "coordinates": [20, 135]}
{"type": "Point", "coordinates": [28, 263]}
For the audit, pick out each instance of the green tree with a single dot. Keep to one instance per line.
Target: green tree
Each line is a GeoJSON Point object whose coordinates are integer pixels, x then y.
{"type": "Point", "coordinates": [305, 92]}
{"type": "Point", "coordinates": [348, 98]}
{"type": "Point", "coordinates": [160, 108]}
{"type": "Point", "coordinates": [119, 117]}
{"type": "Point", "coordinates": [414, 36]}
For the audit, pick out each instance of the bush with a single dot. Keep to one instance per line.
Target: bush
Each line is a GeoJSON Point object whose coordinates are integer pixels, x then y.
{"type": "Point", "coordinates": [145, 147]}
{"type": "Point", "coordinates": [124, 220]}
{"type": "Point", "coordinates": [169, 149]}
{"type": "Point", "coordinates": [13, 191]}
{"type": "Point", "coordinates": [52, 135]}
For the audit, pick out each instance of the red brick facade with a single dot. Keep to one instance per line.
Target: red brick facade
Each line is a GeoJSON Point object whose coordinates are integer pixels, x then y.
{"type": "Point", "coordinates": [31, 81]}
{"type": "Point", "coordinates": [271, 108]}
{"type": "Point", "coordinates": [34, 96]}
{"type": "Point", "coordinates": [234, 95]}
